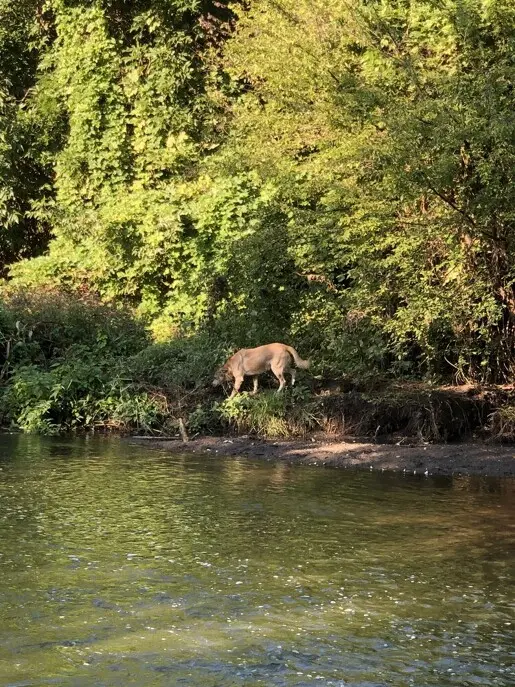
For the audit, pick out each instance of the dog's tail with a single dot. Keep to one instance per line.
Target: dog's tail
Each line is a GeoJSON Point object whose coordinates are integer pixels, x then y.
{"type": "Point", "coordinates": [303, 364]}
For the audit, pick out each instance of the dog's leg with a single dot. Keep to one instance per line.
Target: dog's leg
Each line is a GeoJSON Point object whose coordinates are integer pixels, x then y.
{"type": "Point", "coordinates": [238, 381]}
{"type": "Point", "coordinates": [292, 372]}
{"type": "Point", "coordinates": [278, 370]}
{"type": "Point", "coordinates": [282, 380]}
{"type": "Point", "coordinates": [255, 380]}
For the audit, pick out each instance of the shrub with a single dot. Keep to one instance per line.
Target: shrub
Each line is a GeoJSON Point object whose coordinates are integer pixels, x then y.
{"type": "Point", "coordinates": [182, 364]}
{"type": "Point", "coordinates": [63, 364]}
{"type": "Point", "coordinates": [42, 324]}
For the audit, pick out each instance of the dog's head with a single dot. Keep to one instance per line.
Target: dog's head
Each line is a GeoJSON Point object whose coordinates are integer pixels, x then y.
{"type": "Point", "coordinates": [222, 375]}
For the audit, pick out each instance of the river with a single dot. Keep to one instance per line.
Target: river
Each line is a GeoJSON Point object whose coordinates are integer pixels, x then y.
{"type": "Point", "coordinates": [122, 565]}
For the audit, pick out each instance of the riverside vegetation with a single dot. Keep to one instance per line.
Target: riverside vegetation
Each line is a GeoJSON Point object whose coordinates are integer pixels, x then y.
{"type": "Point", "coordinates": [182, 178]}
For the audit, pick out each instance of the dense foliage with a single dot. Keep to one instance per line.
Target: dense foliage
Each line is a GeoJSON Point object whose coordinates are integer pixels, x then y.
{"type": "Point", "coordinates": [335, 174]}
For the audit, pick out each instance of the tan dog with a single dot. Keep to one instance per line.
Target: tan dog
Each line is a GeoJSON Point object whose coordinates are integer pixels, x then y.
{"type": "Point", "coordinates": [254, 361]}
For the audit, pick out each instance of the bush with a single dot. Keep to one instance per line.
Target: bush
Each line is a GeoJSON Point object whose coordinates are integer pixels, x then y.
{"type": "Point", "coordinates": [70, 362]}
{"type": "Point", "coordinates": [40, 325]}
{"type": "Point", "coordinates": [63, 364]}
{"type": "Point", "coordinates": [78, 393]}
{"type": "Point", "coordinates": [179, 365]}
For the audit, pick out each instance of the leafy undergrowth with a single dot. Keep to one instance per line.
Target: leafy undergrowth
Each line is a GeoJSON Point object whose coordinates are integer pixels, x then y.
{"type": "Point", "coordinates": [394, 413]}
{"type": "Point", "coordinates": [70, 363]}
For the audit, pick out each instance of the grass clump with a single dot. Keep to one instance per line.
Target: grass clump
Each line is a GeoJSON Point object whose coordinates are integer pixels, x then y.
{"type": "Point", "coordinates": [501, 426]}
{"type": "Point", "coordinates": [271, 415]}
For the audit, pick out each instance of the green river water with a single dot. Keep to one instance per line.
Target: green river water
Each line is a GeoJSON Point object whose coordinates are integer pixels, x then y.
{"type": "Point", "coordinates": [120, 565]}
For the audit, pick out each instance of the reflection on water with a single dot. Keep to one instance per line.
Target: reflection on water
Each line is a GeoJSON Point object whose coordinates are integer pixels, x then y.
{"type": "Point", "coordinates": [124, 566]}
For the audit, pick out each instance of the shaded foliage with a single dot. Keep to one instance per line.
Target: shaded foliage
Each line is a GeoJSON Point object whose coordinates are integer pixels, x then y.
{"type": "Point", "coordinates": [62, 363]}
{"type": "Point", "coordinates": [25, 163]}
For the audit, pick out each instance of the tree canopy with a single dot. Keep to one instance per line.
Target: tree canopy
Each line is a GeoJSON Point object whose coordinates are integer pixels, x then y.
{"type": "Point", "coordinates": [338, 174]}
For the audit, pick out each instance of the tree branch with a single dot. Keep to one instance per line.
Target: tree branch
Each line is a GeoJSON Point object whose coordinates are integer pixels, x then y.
{"type": "Point", "coordinates": [453, 205]}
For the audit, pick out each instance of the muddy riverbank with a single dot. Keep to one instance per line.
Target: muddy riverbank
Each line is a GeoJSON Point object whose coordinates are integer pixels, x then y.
{"type": "Point", "coordinates": [434, 459]}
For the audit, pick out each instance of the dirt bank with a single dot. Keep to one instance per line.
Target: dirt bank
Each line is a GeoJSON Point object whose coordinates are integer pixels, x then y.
{"type": "Point", "coordinates": [435, 459]}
